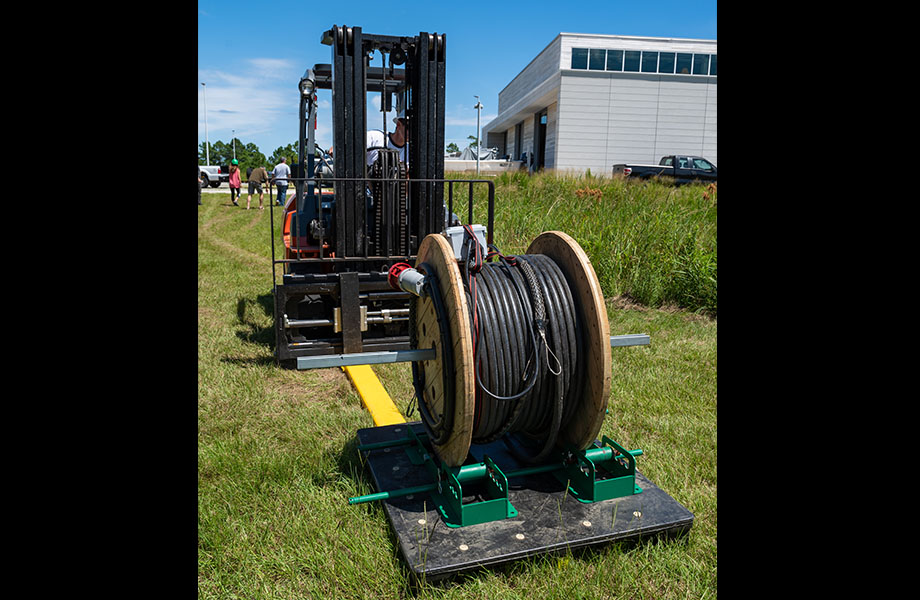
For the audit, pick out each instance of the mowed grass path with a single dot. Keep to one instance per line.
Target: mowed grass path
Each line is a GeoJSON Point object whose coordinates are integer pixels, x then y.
{"type": "Point", "coordinates": [277, 459]}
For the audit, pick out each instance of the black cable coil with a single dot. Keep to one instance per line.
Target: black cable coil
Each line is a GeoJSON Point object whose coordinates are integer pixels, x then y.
{"type": "Point", "coordinates": [526, 349]}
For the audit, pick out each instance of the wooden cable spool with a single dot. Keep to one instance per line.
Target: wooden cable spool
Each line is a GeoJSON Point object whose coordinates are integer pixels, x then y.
{"type": "Point", "coordinates": [437, 254]}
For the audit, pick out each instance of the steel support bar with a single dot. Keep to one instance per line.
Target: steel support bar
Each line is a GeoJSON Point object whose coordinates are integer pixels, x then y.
{"type": "Point", "coordinates": [364, 358]}
{"type": "Point", "coordinates": [631, 339]}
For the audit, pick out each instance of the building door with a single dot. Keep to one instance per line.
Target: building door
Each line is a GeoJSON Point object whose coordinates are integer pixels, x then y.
{"type": "Point", "coordinates": [518, 140]}
{"type": "Point", "coordinates": [539, 140]}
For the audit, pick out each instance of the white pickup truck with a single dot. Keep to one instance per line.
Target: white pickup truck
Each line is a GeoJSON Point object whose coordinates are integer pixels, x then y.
{"type": "Point", "coordinates": [212, 175]}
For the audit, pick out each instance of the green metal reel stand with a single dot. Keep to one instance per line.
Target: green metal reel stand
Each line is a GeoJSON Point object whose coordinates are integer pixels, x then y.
{"type": "Point", "coordinates": [600, 474]}
{"type": "Point", "coordinates": [447, 493]}
{"type": "Point", "coordinates": [447, 488]}
{"type": "Point", "coordinates": [591, 475]}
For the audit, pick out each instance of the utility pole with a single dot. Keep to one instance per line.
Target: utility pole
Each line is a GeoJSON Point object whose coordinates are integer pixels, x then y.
{"type": "Point", "coordinates": [478, 108]}
{"type": "Point", "coordinates": [233, 141]}
{"type": "Point", "coordinates": [207, 145]}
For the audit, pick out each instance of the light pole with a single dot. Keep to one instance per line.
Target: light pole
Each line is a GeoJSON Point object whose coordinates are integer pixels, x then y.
{"type": "Point", "coordinates": [233, 141]}
{"type": "Point", "coordinates": [207, 149]}
{"type": "Point", "coordinates": [478, 108]}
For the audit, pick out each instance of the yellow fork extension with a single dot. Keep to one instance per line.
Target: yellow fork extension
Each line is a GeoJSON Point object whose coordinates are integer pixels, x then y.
{"type": "Point", "coordinates": [373, 395]}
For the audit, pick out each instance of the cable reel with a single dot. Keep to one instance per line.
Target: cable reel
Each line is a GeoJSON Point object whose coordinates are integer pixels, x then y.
{"type": "Point", "coordinates": [522, 345]}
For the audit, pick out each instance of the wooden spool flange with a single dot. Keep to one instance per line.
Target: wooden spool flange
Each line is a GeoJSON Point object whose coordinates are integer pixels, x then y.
{"type": "Point", "coordinates": [437, 252]}
{"type": "Point", "coordinates": [588, 416]}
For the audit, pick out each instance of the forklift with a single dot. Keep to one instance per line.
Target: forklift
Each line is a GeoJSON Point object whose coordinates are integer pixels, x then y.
{"type": "Point", "coordinates": [348, 222]}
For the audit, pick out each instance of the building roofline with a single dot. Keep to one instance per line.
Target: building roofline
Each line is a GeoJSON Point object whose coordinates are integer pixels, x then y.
{"type": "Point", "coordinates": [607, 36]}
{"type": "Point", "coordinates": [542, 89]}
{"type": "Point", "coordinates": [636, 37]}
{"type": "Point", "coordinates": [545, 48]}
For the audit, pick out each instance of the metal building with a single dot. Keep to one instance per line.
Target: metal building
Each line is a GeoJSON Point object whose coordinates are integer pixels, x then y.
{"type": "Point", "coordinates": [590, 101]}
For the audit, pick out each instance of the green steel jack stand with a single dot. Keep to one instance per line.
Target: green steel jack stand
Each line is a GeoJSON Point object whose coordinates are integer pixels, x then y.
{"type": "Point", "coordinates": [595, 476]}
{"type": "Point", "coordinates": [447, 491]}
{"type": "Point", "coordinates": [592, 475]}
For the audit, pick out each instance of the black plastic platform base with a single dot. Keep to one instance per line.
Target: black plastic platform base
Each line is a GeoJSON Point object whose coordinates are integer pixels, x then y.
{"type": "Point", "coordinates": [549, 519]}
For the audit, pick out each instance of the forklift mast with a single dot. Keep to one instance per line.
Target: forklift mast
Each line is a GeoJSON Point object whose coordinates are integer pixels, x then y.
{"type": "Point", "coordinates": [420, 90]}
{"type": "Point", "coordinates": [343, 233]}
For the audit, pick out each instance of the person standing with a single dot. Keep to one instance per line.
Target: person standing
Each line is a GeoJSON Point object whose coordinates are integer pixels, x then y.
{"type": "Point", "coordinates": [281, 174]}
{"type": "Point", "coordinates": [258, 176]}
{"type": "Point", "coordinates": [235, 182]}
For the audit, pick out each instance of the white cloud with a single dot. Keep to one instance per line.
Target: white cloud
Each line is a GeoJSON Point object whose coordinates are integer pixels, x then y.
{"type": "Point", "coordinates": [249, 101]}
{"type": "Point", "coordinates": [274, 68]}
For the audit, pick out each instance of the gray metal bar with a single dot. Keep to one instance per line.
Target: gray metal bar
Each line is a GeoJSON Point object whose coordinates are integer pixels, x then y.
{"type": "Point", "coordinates": [631, 339]}
{"type": "Point", "coordinates": [364, 358]}
{"type": "Point", "coordinates": [373, 358]}
{"type": "Point", "coordinates": [295, 323]}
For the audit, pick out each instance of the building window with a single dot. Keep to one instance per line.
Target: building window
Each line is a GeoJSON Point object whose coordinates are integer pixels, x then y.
{"type": "Point", "coordinates": [579, 58]}
{"type": "Point", "coordinates": [644, 61]}
{"type": "Point", "coordinates": [666, 62]}
{"type": "Point", "coordinates": [701, 64]}
{"type": "Point", "coordinates": [596, 59]}
{"type": "Point", "coordinates": [631, 60]}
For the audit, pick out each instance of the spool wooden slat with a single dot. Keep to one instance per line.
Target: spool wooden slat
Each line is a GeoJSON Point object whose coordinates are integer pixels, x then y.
{"type": "Point", "coordinates": [438, 253]}
{"type": "Point", "coordinates": [586, 421]}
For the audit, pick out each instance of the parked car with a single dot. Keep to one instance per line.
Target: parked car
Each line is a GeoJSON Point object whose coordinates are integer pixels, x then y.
{"type": "Point", "coordinates": [682, 168]}
{"type": "Point", "coordinates": [213, 175]}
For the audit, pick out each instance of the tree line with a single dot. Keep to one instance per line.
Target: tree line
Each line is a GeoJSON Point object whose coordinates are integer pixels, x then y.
{"type": "Point", "coordinates": [248, 155]}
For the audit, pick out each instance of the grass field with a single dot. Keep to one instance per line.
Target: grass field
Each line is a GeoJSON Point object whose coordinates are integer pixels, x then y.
{"type": "Point", "coordinates": [276, 448]}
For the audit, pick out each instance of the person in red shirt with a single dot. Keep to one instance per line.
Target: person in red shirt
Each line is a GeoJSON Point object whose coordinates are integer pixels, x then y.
{"type": "Point", "coordinates": [234, 181]}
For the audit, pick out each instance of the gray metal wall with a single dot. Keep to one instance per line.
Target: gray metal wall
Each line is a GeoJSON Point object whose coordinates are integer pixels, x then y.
{"type": "Point", "coordinates": [606, 118]}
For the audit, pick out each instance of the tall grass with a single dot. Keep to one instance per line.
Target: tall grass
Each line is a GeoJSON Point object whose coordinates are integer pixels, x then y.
{"type": "Point", "coordinates": [650, 241]}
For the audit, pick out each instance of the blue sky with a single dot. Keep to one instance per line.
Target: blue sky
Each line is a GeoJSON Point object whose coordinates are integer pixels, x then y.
{"type": "Point", "coordinates": [251, 57]}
